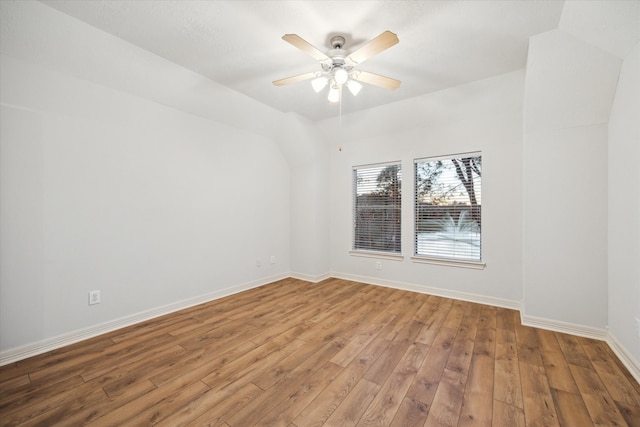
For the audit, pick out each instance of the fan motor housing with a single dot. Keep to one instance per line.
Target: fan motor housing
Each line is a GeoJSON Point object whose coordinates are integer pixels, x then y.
{"type": "Point", "coordinates": [337, 54]}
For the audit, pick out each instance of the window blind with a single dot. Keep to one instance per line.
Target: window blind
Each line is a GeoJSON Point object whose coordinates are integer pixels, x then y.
{"type": "Point", "coordinates": [448, 201]}
{"type": "Point", "coordinates": [377, 207]}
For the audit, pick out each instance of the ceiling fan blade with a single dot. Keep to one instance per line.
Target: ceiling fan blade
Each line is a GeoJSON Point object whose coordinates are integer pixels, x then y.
{"type": "Point", "coordinates": [383, 42]}
{"type": "Point", "coordinates": [294, 79]}
{"type": "Point", "coordinates": [377, 80]}
{"type": "Point", "coordinates": [305, 46]}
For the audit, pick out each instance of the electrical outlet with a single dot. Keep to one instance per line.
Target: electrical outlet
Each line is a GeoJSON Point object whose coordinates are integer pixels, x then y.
{"type": "Point", "coordinates": [273, 259]}
{"type": "Point", "coordinates": [94, 297]}
{"type": "Point", "coordinates": [378, 265]}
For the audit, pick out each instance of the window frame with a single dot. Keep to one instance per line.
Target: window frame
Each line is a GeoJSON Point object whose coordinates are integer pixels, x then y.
{"type": "Point", "coordinates": [443, 260]}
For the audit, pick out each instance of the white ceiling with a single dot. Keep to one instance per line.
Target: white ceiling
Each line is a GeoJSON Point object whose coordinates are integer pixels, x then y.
{"type": "Point", "coordinates": [238, 43]}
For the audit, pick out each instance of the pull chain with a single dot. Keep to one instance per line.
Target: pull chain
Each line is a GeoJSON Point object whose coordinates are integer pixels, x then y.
{"type": "Point", "coordinates": [340, 107]}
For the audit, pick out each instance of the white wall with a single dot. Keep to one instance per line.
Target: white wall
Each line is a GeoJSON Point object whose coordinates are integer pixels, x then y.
{"type": "Point", "coordinates": [483, 116]}
{"type": "Point", "coordinates": [569, 90]}
{"type": "Point", "coordinates": [105, 190]}
{"type": "Point", "coordinates": [307, 155]}
{"type": "Point", "coordinates": [624, 207]}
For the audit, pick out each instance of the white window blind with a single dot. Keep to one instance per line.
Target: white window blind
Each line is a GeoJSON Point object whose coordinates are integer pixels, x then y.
{"type": "Point", "coordinates": [376, 208]}
{"type": "Point", "coordinates": [448, 201]}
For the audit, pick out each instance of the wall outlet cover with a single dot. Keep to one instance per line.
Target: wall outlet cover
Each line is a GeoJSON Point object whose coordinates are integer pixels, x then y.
{"type": "Point", "coordinates": [94, 297]}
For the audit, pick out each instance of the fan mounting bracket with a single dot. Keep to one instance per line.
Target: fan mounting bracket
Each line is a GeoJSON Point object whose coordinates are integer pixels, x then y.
{"type": "Point", "coordinates": [337, 42]}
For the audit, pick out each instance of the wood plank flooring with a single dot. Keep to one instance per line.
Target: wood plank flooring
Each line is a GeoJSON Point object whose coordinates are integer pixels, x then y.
{"type": "Point", "coordinates": [336, 353]}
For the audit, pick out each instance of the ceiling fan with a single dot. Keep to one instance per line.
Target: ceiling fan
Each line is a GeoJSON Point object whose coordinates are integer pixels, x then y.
{"type": "Point", "coordinates": [338, 67]}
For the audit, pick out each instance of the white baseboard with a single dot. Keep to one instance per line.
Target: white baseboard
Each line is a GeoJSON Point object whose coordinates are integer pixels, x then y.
{"type": "Point", "coordinates": [625, 357]}
{"type": "Point", "coordinates": [447, 293]}
{"type": "Point", "coordinates": [309, 277]}
{"type": "Point", "coordinates": [29, 350]}
{"type": "Point", "coordinates": [564, 327]}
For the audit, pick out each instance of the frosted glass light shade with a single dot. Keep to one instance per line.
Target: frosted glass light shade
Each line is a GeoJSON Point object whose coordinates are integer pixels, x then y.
{"type": "Point", "coordinates": [341, 76]}
{"type": "Point", "coordinates": [319, 84]}
{"type": "Point", "coordinates": [334, 94]}
{"type": "Point", "coordinates": [354, 87]}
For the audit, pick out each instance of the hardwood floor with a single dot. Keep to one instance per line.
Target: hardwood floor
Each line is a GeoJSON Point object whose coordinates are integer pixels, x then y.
{"type": "Point", "coordinates": [336, 353]}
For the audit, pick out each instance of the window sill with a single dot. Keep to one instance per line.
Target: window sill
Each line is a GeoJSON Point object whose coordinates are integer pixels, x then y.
{"type": "Point", "coordinates": [476, 265]}
{"type": "Point", "coordinates": [374, 254]}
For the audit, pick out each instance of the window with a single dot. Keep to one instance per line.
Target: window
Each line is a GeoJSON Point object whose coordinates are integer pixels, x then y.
{"type": "Point", "coordinates": [376, 208]}
{"type": "Point", "coordinates": [448, 199]}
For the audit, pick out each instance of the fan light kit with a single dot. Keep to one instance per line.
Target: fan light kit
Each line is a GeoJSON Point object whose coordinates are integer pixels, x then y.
{"type": "Point", "coordinates": [339, 67]}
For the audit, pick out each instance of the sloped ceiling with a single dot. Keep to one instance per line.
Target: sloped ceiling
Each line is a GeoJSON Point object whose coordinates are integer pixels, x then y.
{"type": "Point", "coordinates": [238, 43]}
{"type": "Point", "coordinates": [613, 26]}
